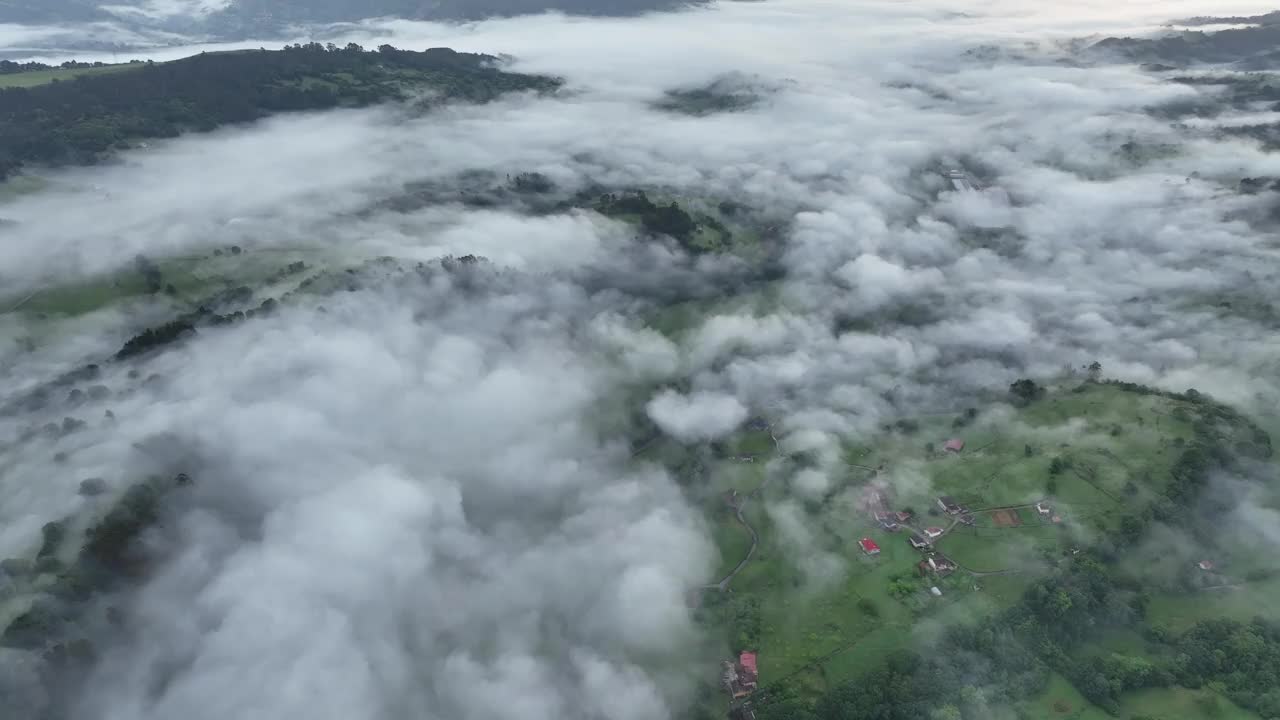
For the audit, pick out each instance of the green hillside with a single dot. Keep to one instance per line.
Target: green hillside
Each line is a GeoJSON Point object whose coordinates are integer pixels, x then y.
{"type": "Point", "coordinates": [83, 120]}
{"type": "Point", "coordinates": [1115, 466]}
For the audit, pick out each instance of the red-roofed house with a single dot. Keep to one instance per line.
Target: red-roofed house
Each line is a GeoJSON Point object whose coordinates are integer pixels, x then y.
{"type": "Point", "coordinates": [933, 532]}
{"type": "Point", "coordinates": [749, 675]}
{"type": "Point", "coordinates": [954, 445]}
{"type": "Point", "coordinates": [869, 546]}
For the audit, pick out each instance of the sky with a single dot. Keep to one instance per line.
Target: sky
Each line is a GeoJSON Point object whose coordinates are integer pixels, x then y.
{"type": "Point", "coordinates": [408, 499]}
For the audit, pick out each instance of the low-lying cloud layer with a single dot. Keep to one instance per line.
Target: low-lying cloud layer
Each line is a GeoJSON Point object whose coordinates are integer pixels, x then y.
{"type": "Point", "coordinates": [403, 506]}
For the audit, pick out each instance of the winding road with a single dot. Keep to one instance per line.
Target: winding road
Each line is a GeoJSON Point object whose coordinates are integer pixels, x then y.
{"type": "Point", "coordinates": [723, 585]}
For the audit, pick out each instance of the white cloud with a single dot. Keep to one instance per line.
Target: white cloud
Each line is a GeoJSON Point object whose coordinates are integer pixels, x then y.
{"type": "Point", "coordinates": [697, 416]}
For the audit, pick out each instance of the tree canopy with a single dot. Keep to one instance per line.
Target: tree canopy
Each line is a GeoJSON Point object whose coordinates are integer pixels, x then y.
{"type": "Point", "coordinates": [82, 120]}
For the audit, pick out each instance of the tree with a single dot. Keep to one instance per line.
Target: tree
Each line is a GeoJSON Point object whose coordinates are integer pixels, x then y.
{"type": "Point", "coordinates": [1095, 370]}
{"type": "Point", "coordinates": [946, 712]}
{"type": "Point", "coordinates": [869, 608]}
{"type": "Point", "coordinates": [1026, 390]}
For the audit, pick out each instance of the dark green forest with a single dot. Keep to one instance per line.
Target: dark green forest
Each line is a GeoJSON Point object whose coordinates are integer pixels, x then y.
{"type": "Point", "coordinates": [83, 120]}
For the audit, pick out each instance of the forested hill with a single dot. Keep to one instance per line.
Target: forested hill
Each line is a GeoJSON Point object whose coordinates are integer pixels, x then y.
{"type": "Point", "coordinates": [82, 120]}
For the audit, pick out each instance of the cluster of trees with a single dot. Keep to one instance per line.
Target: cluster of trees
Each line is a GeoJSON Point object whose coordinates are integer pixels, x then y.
{"type": "Point", "coordinates": [661, 219]}
{"type": "Point", "coordinates": [80, 121]}
{"type": "Point", "coordinates": [669, 219]}
{"type": "Point", "coordinates": [9, 67]}
{"type": "Point", "coordinates": [185, 325]}
{"type": "Point", "coordinates": [715, 98]}
{"type": "Point", "coordinates": [1239, 659]}
{"type": "Point", "coordinates": [1243, 657]}
{"type": "Point", "coordinates": [54, 624]}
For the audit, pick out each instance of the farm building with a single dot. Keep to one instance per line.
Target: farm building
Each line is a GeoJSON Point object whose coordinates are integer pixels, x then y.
{"type": "Point", "coordinates": [954, 445]}
{"type": "Point", "coordinates": [949, 505]}
{"type": "Point", "coordinates": [887, 521]}
{"type": "Point", "coordinates": [1205, 565]}
{"type": "Point", "coordinates": [741, 678]}
{"type": "Point", "coordinates": [869, 546]}
{"type": "Point", "coordinates": [904, 515]}
{"type": "Point", "coordinates": [918, 542]}
{"type": "Point", "coordinates": [933, 532]}
{"type": "Point", "coordinates": [1043, 508]}
{"type": "Point", "coordinates": [940, 564]}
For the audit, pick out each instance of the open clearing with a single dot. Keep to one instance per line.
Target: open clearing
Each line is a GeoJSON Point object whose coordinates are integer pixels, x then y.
{"type": "Point", "coordinates": [1006, 518]}
{"type": "Point", "coordinates": [42, 77]}
{"type": "Point", "coordinates": [1177, 612]}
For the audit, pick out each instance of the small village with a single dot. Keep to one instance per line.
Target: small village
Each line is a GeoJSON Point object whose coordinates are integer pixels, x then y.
{"type": "Point", "coordinates": [740, 677]}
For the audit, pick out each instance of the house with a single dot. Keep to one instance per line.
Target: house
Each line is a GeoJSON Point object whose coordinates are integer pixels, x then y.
{"type": "Point", "coordinates": [1043, 508]}
{"type": "Point", "coordinates": [940, 564]}
{"type": "Point", "coordinates": [954, 445]}
{"type": "Point", "coordinates": [729, 676]}
{"type": "Point", "coordinates": [949, 505]}
{"type": "Point", "coordinates": [966, 519]}
{"type": "Point", "coordinates": [904, 515]}
{"type": "Point", "coordinates": [918, 542]}
{"type": "Point", "coordinates": [748, 675]}
{"type": "Point", "coordinates": [1205, 565]}
{"type": "Point", "coordinates": [933, 532]}
{"type": "Point", "coordinates": [886, 520]}
{"type": "Point", "coordinates": [869, 546]}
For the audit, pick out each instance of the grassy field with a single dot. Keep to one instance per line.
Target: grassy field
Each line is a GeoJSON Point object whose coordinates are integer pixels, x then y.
{"type": "Point", "coordinates": [1182, 704]}
{"type": "Point", "coordinates": [1061, 701]}
{"type": "Point", "coordinates": [18, 185]}
{"type": "Point", "coordinates": [41, 77]}
{"type": "Point", "coordinates": [731, 539]}
{"type": "Point", "coordinates": [1180, 611]}
{"type": "Point", "coordinates": [193, 278]}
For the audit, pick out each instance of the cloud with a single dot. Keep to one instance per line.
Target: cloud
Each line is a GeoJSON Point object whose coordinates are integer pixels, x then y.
{"type": "Point", "coordinates": [878, 281]}
{"type": "Point", "coordinates": [404, 505]}
{"type": "Point", "coordinates": [698, 416]}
